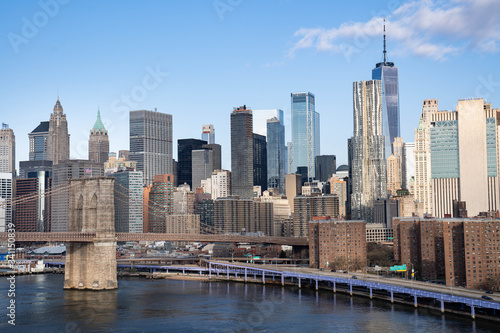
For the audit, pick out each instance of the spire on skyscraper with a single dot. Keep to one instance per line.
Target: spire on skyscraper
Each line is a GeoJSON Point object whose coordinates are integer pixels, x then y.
{"type": "Point", "coordinates": [385, 62]}
{"type": "Point", "coordinates": [98, 125]}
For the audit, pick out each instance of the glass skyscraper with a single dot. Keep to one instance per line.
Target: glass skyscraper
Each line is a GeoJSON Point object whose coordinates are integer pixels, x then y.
{"type": "Point", "coordinates": [276, 151]}
{"type": "Point", "coordinates": [305, 132]}
{"type": "Point", "coordinates": [242, 153]}
{"type": "Point", "coordinates": [388, 74]}
{"type": "Point", "coordinates": [38, 142]}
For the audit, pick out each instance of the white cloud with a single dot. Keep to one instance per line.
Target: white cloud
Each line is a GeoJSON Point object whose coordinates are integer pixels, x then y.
{"type": "Point", "coordinates": [429, 28]}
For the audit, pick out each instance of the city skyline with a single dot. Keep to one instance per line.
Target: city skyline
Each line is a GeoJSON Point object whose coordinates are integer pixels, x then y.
{"type": "Point", "coordinates": [299, 57]}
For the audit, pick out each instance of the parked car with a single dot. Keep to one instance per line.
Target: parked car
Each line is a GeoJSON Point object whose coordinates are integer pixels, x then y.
{"type": "Point", "coordinates": [321, 269]}
{"type": "Point", "coordinates": [354, 277]}
{"type": "Point", "coordinates": [487, 297]}
{"type": "Point", "coordinates": [489, 292]}
{"type": "Point", "coordinates": [345, 272]}
{"type": "Point", "coordinates": [332, 270]}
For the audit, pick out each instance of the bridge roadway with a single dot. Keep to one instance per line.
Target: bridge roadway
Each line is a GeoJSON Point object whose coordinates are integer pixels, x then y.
{"type": "Point", "coordinates": [88, 237]}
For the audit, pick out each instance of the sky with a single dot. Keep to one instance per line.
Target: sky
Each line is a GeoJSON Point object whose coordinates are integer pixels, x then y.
{"type": "Point", "coordinates": [198, 59]}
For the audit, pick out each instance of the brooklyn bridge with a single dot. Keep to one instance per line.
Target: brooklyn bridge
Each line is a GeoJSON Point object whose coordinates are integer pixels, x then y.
{"type": "Point", "coordinates": [91, 236]}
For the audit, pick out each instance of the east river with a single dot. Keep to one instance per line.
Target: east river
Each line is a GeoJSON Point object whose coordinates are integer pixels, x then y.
{"type": "Point", "coordinates": [141, 305]}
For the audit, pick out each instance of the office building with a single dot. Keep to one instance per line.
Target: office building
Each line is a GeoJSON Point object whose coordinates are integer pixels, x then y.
{"type": "Point", "coordinates": [205, 210]}
{"type": "Point", "coordinates": [305, 132]}
{"type": "Point", "coordinates": [260, 161]}
{"type": "Point", "coordinates": [38, 141]}
{"type": "Point", "coordinates": [61, 174]}
{"type": "Point", "coordinates": [261, 117]}
{"type": "Point", "coordinates": [408, 167]}
{"type": "Point", "coordinates": [6, 195]}
{"type": "Point", "coordinates": [464, 158]}
{"type": "Point", "coordinates": [387, 73]}
{"type": "Point", "coordinates": [202, 166]}
{"type": "Point", "coordinates": [326, 165]}
{"type": "Point", "coordinates": [308, 207]}
{"type": "Point", "coordinates": [128, 201]}
{"type": "Point", "coordinates": [368, 162]}
{"type": "Point", "coordinates": [183, 200]}
{"type": "Point", "coordinates": [151, 143]}
{"type": "Point", "coordinates": [221, 184]}
{"type": "Point", "coordinates": [7, 150]}
{"type": "Point", "coordinates": [208, 133]}
{"type": "Point", "coordinates": [183, 224]}
{"type": "Point", "coordinates": [26, 167]}
{"type": "Point", "coordinates": [32, 214]}
{"type": "Point", "coordinates": [98, 142]}
{"type": "Point", "coordinates": [384, 210]}
{"type": "Point", "coordinates": [58, 138]}
{"type": "Point", "coordinates": [276, 151]}
{"type": "Point", "coordinates": [393, 174]}
{"type": "Point", "coordinates": [337, 244]}
{"type": "Point", "coordinates": [185, 149]}
{"type": "Point", "coordinates": [161, 202]}
{"type": "Point", "coordinates": [242, 160]}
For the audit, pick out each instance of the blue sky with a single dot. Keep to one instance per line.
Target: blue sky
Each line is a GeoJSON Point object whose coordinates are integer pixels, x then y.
{"type": "Point", "coordinates": [197, 60]}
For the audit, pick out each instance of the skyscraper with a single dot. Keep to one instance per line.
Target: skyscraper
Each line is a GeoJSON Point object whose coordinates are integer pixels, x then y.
{"type": "Point", "coordinates": [305, 132]}
{"type": "Point", "coordinates": [369, 180]}
{"type": "Point", "coordinates": [7, 150]}
{"type": "Point", "coordinates": [423, 181]}
{"type": "Point", "coordinates": [260, 161]}
{"type": "Point", "coordinates": [185, 148]}
{"type": "Point", "coordinates": [326, 165]}
{"type": "Point", "coordinates": [464, 158]}
{"type": "Point", "coordinates": [388, 74]}
{"type": "Point", "coordinates": [98, 142]}
{"type": "Point", "coordinates": [6, 194]}
{"type": "Point", "coordinates": [203, 166]}
{"type": "Point", "coordinates": [38, 139]}
{"type": "Point", "coordinates": [128, 201]}
{"type": "Point", "coordinates": [161, 202]}
{"type": "Point", "coordinates": [151, 143]}
{"type": "Point", "coordinates": [242, 152]}
{"type": "Point", "coordinates": [276, 154]}
{"type": "Point", "coordinates": [208, 134]}
{"type": "Point", "coordinates": [58, 137]}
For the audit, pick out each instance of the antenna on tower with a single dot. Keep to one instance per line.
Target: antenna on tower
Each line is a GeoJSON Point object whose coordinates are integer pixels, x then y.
{"type": "Point", "coordinates": [384, 44]}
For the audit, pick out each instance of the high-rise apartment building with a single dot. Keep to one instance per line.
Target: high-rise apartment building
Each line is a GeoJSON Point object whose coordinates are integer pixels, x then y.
{"type": "Point", "coordinates": [408, 167]}
{"type": "Point", "coordinates": [38, 140]}
{"type": "Point", "coordinates": [337, 244]}
{"type": "Point", "coordinates": [128, 201]}
{"type": "Point", "coordinates": [260, 161]}
{"type": "Point", "coordinates": [326, 165]}
{"type": "Point", "coordinates": [58, 137]}
{"type": "Point", "coordinates": [6, 195]}
{"type": "Point", "coordinates": [464, 158]}
{"type": "Point", "coordinates": [305, 132]}
{"type": "Point", "coordinates": [308, 207]}
{"type": "Point", "coordinates": [387, 73]}
{"type": "Point", "coordinates": [368, 162]}
{"type": "Point", "coordinates": [338, 187]}
{"type": "Point", "coordinates": [7, 150]}
{"type": "Point", "coordinates": [185, 149]}
{"type": "Point", "coordinates": [208, 133]}
{"type": "Point", "coordinates": [161, 202]}
{"type": "Point", "coordinates": [151, 143]}
{"type": "Point", "coordinates": [61, 174]}
{"type": "Point", "coordinates": [423, 181]}
{"type": "Point", "coordinates": [276, 160]}
{"type": "Point", "coordinates": [232, 215]}
{"type": "Point", "coordinates": [98, 142]}
{"type": "Point", "coordinates": [293, 188]}
{"type": "Point", "coordinates": [221, 184]}
{"type": "Point", "coordinates": [242, 160]}
{"type": "Point", "coordinates": [393, 174]}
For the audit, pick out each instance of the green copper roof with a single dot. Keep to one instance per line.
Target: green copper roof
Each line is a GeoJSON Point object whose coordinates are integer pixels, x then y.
{"type": "Point", "coordinates": [421, 124]}
{"type": "Point", "coordinates": [99, 126]}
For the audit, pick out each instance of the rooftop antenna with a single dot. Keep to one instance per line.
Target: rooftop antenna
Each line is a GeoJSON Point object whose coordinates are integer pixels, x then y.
{"type": "Point", "coordinates": [384, 44]}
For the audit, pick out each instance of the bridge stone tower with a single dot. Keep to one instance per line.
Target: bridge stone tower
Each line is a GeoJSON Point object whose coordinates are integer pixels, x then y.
{"type": "Point", "coordinates": [92, 266]}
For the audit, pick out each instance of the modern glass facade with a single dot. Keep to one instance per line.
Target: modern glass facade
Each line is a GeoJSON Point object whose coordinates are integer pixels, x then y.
{"type": "Point", "coordinates": [185, 149]}
{"type": "Point", "coordinates": [276, 151]}
{"type": "Point", "coordinates": [260, 161]}
{"type": "Point", "coordinates": [128, 201]}
{"type": "Point", "coordinates": [444, 149]}
{"type": "Point", "coordinates": [260, 118]}
{"type": "Point", "coordinates": [208, 133]}
{"type": "Point", "coordinates": [388, 74]}
{"type": "Point", "coordinates": [38, 142]}
{"type": "Point", "coordinates": [491, 147]}
{"type": "Point", "coordinates": [151, 143]}
{"type": "Point", "coordinates": [305, 132]}
{"type": "Point", "coordinates": [326, 165]}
